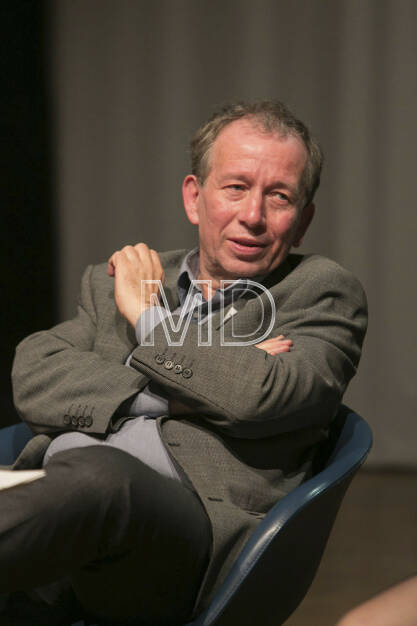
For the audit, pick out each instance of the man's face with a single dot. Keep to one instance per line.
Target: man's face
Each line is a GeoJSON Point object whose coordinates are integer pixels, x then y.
{"type": "Point", "coordinates": [248, 210]}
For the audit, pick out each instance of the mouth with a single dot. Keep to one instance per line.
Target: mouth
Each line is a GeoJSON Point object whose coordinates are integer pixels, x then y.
{"type": "Point", "coordinates": [246, 246]}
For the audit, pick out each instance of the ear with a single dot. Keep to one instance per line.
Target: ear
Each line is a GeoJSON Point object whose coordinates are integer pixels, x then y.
{"type": "Point", "coordinates": [307, 215]}
{"type": "Point", "coordinates": [190, 195]}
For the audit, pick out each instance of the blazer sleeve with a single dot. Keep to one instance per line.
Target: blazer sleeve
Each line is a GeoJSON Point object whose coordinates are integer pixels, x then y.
{"type": "Point", "coordinates": [245, 392]}
{"type": "Point", "coordinates": [61, 383]}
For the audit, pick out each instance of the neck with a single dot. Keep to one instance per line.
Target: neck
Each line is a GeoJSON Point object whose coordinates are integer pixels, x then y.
{"type": "Point", "coordinates": [209, 288]}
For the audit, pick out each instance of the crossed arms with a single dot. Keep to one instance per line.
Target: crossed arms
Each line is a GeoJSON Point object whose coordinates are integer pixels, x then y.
{"type": "Point", "coordinates": [243, 391]}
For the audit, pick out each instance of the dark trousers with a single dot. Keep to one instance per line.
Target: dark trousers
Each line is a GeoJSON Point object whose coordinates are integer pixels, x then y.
{"type": "Point", "coordinates": [134, 544]}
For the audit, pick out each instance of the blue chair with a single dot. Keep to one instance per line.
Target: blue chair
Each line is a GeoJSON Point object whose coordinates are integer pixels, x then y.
{"type": "Point", "coordinates": [12, 441]}
{"type": "Point", "coordinates": [276, 567]}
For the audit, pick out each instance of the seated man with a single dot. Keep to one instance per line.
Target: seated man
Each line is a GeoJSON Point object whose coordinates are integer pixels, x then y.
{"type": "Point", "coordinates": [165, 444]}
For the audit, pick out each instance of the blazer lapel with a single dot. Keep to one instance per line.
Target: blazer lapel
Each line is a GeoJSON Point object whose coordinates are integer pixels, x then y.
{"type": "Point", "coordinates": [238, 305]}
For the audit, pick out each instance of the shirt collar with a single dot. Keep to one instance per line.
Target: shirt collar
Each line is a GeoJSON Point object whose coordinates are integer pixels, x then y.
{"type": "Point", "coordinates": [189, 270]}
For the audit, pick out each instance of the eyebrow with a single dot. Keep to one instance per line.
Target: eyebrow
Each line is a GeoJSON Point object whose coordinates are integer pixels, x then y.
{"type": "Point", "coordinates": [276, 184]}
{"type": "Point", "coordinates": [282, 185]}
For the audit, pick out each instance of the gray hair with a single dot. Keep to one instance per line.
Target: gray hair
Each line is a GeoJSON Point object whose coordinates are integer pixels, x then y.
{"type": "Point", "coordinates": [271, 116]}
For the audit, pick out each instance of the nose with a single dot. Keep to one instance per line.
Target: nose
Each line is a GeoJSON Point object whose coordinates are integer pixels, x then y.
{"type": "Point", "coordinates": [252, 211]}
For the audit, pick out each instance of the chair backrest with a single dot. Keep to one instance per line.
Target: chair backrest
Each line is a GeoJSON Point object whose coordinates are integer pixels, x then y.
{"type": "Point", "coordinates": [277, 565]}
{"type": "Point", "coordinates": [12, 441]}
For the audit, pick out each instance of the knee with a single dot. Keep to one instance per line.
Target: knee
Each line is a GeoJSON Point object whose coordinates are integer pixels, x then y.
{"type": "Point", "coordinates": [94, 469]}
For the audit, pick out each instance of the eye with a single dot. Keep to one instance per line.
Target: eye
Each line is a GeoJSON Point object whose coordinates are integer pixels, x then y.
{"type": "Point", "coordinates": [280, 197]}
{"type": "Point", "coordinates": [235, 190]}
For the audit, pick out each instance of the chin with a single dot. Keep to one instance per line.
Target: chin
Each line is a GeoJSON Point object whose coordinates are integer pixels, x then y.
{"type": "Point", "coordinates": [238, 268]}
{"type": "Point", "coordinates": [245, 269]}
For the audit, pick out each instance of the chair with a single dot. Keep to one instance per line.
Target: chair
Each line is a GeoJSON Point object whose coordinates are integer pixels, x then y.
{"type": "Point", "coordinates": [277, 565]}
{"type": "Point", "coordinates": [12, 441]}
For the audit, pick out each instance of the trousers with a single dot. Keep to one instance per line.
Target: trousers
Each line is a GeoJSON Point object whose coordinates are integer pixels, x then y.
{"type": "Point", "coordinates": [133, 544]}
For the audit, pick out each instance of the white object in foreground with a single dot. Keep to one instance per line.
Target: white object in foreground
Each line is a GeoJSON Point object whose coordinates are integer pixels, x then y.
{"type": "Point", "coordinates": [11, 478]}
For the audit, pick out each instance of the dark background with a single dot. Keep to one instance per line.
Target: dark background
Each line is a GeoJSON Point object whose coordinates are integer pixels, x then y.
{"type": "Point", "coordinates": [28, 254]}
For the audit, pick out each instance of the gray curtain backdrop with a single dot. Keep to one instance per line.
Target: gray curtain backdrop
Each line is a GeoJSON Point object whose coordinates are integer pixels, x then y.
{"type": "Point", "coordinates": [134, 78]}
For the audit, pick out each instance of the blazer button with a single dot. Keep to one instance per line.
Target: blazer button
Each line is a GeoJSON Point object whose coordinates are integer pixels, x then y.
{"type": "Point", "coordinates": [67, 420]}
{"type": "Point", "coordinates": [159, 359]}
{"type": "Point", "coordinates": [74, 420]}
{"type": "Point", "coordinates": [178, 368]}
{"type": "Point", "coordinates": [88, 421]}
{"type": "Point", "coordinates": [169, 364]}
{"type": "Point", "coordinates": [187, 373]}
{"type": "Point", "coordinates": [81, 422]}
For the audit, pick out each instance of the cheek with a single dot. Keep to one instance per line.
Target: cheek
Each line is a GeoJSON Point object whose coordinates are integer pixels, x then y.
{"type": "Point", "coordinates": [284, 226]}
{"type": "Point", "coordinates": [217, 217]}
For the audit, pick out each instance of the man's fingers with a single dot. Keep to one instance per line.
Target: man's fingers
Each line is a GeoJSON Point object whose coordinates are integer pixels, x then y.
{"type": "Point", "coordinates": [274, 341]}
{"type": "Point", "coordinates": [137, 271]}
{"type": "Point", "coordinates": [111, 265]}
{"type": "Point", "coordinates": [144, 253]}
{"type": "Point", "coordinates": [138, 254]}
{"type": "Point", "coordinates": [275, 345]}
{"type": "Point", "coordinates": [156, 261]}
{"type": "Point", "coordinates": [278, 350]}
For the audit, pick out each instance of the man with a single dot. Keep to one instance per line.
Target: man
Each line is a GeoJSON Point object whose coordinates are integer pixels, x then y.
{"type": "Point", "coordinates": [157, 473]}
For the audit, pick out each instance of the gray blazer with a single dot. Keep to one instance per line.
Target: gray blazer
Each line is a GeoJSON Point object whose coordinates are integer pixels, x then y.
{"type": "Point", "coordinates": [253, 421]}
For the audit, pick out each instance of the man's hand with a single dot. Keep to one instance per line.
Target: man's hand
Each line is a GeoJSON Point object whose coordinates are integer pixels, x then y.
{"type": "Point", "coordinates": [275, 345]}
{"type": "Point", "coordinates": [130, 267]}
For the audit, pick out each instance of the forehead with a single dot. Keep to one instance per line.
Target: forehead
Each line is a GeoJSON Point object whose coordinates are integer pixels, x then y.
{"type": "Point", "coordinates": [242, 144]}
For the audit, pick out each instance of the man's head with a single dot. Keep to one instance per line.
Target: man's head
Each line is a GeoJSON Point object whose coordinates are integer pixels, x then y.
{"type": "Point", "coordinates": [250, 192]}
{"type": "Point", "coordinates": [270, 116]}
